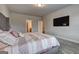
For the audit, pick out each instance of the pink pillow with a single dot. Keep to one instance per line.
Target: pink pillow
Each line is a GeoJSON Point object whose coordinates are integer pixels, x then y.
{"type": "Point", "coordinates": [15, 34]}
{"type": "Point", "coordinates": [2, 45]}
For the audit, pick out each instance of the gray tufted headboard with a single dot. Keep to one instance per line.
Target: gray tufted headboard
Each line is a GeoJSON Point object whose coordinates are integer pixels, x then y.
{"type": "Point", "coordinates": [4, 23]}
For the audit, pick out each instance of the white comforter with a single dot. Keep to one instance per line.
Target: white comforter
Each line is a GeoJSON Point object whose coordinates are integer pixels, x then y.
{"type": "Point", "coordinates": [33, 43]}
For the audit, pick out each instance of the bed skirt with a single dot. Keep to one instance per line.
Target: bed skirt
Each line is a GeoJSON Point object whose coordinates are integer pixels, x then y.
{"type": "Point", "coordinates": [53, 50]}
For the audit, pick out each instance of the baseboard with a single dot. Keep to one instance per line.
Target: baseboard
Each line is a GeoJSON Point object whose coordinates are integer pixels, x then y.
{"type": "Point", "coordinates": [68, 39]}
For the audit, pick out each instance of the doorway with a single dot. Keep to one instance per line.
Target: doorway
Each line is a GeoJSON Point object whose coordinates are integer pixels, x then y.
{"type": "Point", "coordinates": [29, 25]}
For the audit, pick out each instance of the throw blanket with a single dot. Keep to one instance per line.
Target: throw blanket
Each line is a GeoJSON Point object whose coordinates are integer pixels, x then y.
{"type": "Point", "coordinates": [34, 43]}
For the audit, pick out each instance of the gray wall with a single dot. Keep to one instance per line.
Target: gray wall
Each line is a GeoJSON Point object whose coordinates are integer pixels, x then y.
{"type": "Point", "coordinates": [70, 33]}
{"type": "Point", "coordinates": [18, 22]}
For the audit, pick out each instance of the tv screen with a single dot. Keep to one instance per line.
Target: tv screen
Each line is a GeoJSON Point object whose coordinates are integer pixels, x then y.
{"type": "Point", "coordinates": [61, 21]}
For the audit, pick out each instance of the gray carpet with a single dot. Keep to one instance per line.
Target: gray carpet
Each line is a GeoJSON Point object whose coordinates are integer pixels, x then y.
{"type": "Point", "coordinates": [68, 47]}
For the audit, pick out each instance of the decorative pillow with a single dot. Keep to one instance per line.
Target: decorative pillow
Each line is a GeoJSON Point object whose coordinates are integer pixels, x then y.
{"type": "Point", "coordinates": [15, 34]}
{"type": "Point", "coordinates": [7, 38]}
{"type": "Point", "coordinates": [2, 45]}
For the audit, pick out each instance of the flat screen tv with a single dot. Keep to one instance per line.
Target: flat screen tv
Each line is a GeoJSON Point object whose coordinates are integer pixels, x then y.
{"type": "Point", "coordinates": [61, 21]}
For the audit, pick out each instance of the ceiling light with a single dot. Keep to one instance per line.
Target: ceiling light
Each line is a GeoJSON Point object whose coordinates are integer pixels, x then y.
{"type": "Point", "coordinates": [39, 5]}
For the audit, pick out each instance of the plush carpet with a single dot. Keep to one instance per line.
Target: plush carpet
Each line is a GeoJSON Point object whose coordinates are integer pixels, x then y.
{"type": "Point", "coordinates": [68, 47]}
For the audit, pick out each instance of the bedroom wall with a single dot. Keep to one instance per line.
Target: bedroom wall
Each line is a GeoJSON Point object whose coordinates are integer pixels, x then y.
{"type": "Point", "coordinates": [4, 10]}
{"type": "Point", "coordinates": [18, 22]}
{"type": "Point", "coordinates": [71, 32]}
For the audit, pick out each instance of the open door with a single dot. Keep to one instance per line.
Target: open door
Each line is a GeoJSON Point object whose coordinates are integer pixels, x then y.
{"type": "Point", "coordinates": [29, 25]}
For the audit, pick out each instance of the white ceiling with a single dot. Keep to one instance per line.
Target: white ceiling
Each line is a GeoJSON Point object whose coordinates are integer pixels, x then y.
{"type": "Point", "coordinates": [31, 10]}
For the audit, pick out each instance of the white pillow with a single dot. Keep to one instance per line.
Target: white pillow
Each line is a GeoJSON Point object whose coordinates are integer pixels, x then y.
{"type": "Point", "coordinates": [7, 38]}
{"type": "Point", "coordinates": [21, 34]}
{"type": "Point", "coordinates": [1, 31]}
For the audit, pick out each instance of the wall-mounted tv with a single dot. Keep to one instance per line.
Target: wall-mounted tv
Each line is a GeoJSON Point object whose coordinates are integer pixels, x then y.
{"type": "Point", "coordinates": [61, 21]}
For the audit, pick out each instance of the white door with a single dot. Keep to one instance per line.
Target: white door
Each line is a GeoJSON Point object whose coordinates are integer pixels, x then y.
{"type": "Point", "coordinates": [40, 26]}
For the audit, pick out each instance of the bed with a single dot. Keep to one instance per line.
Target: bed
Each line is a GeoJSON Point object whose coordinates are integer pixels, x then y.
{"type": "Point", "coordinates": [12, 42]}
{"type": "Point", "coordinates": [32, 43]}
